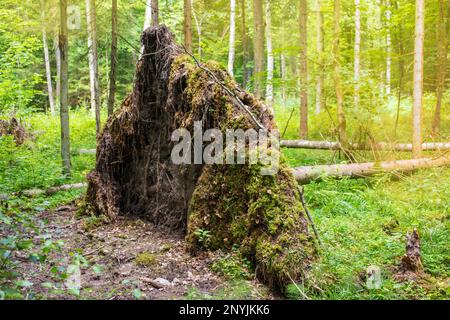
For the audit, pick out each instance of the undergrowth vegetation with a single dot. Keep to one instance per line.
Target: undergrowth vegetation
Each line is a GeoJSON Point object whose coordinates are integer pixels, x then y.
{"type": "Point", "coordinates": [361, 222]}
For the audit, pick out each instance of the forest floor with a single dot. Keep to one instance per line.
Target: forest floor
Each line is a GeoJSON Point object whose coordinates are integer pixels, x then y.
{"type": "Point", "coordinates": [126, 259]}
{"type": "Point", "coordinates": [362, 223]}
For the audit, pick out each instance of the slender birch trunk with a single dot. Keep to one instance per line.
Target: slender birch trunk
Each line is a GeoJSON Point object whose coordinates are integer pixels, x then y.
{"type": "Point", "coordinates": [64, 108]}
{"type": "Point", "coordinates": [148, 14]}
{"type": "Point", "coordinates": [270, 61]}
{"type": "Point", "coordinates": [58, 68]}
{"type": "Point", "coordinates": [388, 49]}
{"type": "Point", "coordinates": [320, 61]}
{"type": "Point", "coordinates": [357, 52]}
{"type": "Point", "coordinates": [342, 134]}
{"type": "Point", "coordinates": [244, 46]}
{"type": "Point", "coordinates": [93, 61]}
{"type": "Point", "coordinates": [112, 70]}
{"type": "Point", "coordinates": [232, 36]}
{"type": "Point", "coordinates": [48, 73]}
{"type": "Point", "coordinates": [418, 79]}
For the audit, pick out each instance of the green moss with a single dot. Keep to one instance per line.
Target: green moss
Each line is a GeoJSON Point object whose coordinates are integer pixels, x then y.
{"type": "Point", "coordinates": [145, 259]}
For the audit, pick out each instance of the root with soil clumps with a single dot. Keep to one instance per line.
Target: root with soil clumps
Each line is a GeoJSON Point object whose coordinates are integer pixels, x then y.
{"type": "Point", "coordinates": [219, 206]}
{"type": "Point", "coordinates": [15, 129]}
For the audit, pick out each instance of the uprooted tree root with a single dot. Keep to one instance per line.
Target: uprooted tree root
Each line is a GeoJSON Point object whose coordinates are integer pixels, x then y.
{"type": "Point", "coordinates": [15, 129]}
{"type": "Point", "coordinates": [219, 206]}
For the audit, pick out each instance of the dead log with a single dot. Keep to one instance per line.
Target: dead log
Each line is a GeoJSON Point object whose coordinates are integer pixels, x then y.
{"type": "Point", "coordinates": [356, 170]}
{"type": "Point", "coordinates": [86, 151]}
{"type": "Point", "coordinates": [330, 145]}
{"type": "Point", "coordinates": [218, 206]}
{"type": "Point", "coordinates": [51, 190]}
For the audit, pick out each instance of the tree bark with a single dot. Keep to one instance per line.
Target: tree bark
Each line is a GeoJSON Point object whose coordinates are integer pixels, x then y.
{"type": "Point", "coordinates": [356, 170]}
{"type": "Point", "coordinates": [401, 72]}
{"type": "Point", "coordinates": [442, 44]}
{"type": "Point", "coordinates": [388, 48]}
{"type": "Point", "coordinates": [58, 67]}
{"type": "Point", "coordinates": [320, 61]}
{"type": "Point", "coordinates": [258, 47]}
{"type": "Point", "coordinates": [303, 26]}
{"type": "Point", "coordinates": [270, 61]}
{"type": "Point", "coordinates": [155, 13]}
{"type": "Point", "coordinates": [112, 71]}
{"type": "Point", "coordinates": [331, 145]}
{"type": "Point", "coordinates": [187, 26]}
{"type": "Point", "coordinates": [232, 37]}
{"type": "Point", "coordinates": [418, 79]}
{"type": "Point", "coordinates": [93, 61]}
{"type": "Point", "coordinates": [64, 108]}
{"type": "Point", "coordinates": [148, 14]}
{"type": "Point", "coordinates": [342, 134]}
{"type": "Point", "coordinates": [244, 47]}
{"type": "Point", "coordinates": [48, 73]}
{"type": "Point", "coordinates": [357, 51]}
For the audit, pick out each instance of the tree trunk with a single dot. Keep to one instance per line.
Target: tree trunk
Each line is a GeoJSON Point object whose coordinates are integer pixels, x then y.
{"type": "Point", "coordinates": [63, 95]}
{"type": "Point", "coordinates": [232, 36]}
{"type": "Point", "coordinates": [320, 59]}
{"type": "Point", "coordinates": [244, 47]}
{"type": "Point", "coordinates": [303, 25]}
{"type": "Point", "coordinates": [342, 134]}
{"type": "Point", "coordinates": [441, 65]}
{"type": "Point", "coordinates": [357, 51]}
{"type": "Point", "coordinates": [148, 14]}
{"type": "Point", "coordinates": [418, 79]}
{"type": "Point", "coordinates": [187, 26]}
{"type": "Point", "coordinates": [331, 145]}
{"type": "Point", "coordinates": [48, 73]}
{"type": "Point", "coordinates": [258, 47]}
{"type": "Point", "coordinates": [112, 70]}
{"type": "Point", "coordinates": [270, 62]}
{"type": "Point", "coordinates": [58, 67]}
{"type": "Point", "coordinates": [401, 72]}
{"type": "Point", "coordinates": [93, 61]}
{"type": "Point", "coordinates": [388, 48]}
{"type": "Point", "coordinates": [155, 13]}
{"type": "Point", "coordinates": [357, 170]}
{"type": "Point", "coordinates": [283, 76]}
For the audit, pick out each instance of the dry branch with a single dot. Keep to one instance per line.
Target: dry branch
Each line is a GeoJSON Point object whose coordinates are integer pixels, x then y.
{"type": "Point", "coordinates": [309, 173]}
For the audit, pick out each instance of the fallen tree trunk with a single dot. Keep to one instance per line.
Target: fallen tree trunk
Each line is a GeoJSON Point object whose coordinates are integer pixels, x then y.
{"type": "Point", "coordinates": [309, 173]}
{"type": "Point", "coordinates": [218, 205]}
{"type": "Point", "coordinates": [330, 145]}
{"type": "Point", "coordinates": [49, 191]}
{"type": "Point", "coordinates": [86, 151]}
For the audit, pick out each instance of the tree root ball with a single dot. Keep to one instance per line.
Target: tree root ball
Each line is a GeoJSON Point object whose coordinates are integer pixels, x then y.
{"type": "Point", "coordinates": [219, 206]}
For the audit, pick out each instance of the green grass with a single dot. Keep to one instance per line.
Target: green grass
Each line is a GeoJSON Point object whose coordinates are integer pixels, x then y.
{"type": "Point", "coordinates": [37, 163]}
{"type": "Point", "coordinates": [363, 222]}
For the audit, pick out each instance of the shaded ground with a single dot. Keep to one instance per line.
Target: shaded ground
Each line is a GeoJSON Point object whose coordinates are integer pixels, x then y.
{"type": "Point", "coordinates": [127, 259]}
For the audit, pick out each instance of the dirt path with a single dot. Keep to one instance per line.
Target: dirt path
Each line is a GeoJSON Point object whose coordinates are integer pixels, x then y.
{"type": "Point", "coordinates": [127, 259]}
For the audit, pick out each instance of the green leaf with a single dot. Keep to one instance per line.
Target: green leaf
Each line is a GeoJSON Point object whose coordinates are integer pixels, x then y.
{"type": "Point", "coordinates": [137, 294]}
{"type": "Point", "coordinates": [24, 283]}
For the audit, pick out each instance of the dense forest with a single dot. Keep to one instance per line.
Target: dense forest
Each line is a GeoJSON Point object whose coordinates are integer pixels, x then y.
{"type": "Point", "coordinates": [352, 95]}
